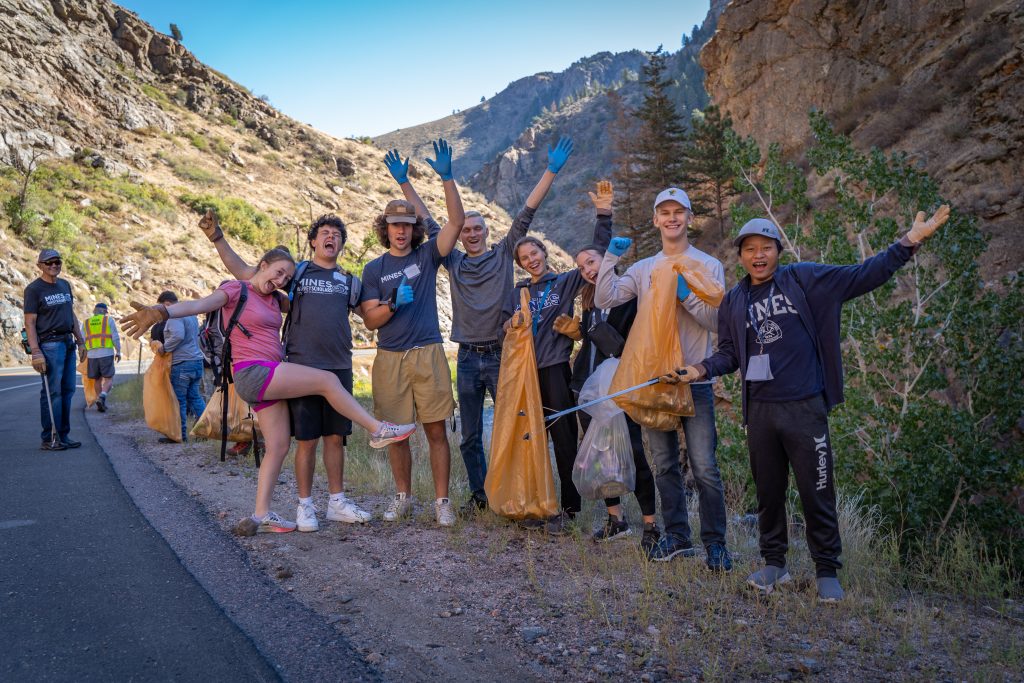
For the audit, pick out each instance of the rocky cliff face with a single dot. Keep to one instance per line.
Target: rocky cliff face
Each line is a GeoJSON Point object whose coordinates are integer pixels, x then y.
{"type": "Point", "coordinates": [135, 134]}
{"type": "Point", "coordinates": [942, 81]}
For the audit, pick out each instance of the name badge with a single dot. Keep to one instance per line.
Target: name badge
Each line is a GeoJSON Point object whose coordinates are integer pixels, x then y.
{"type": "Point", "coordinates": [412, 271]}
{"type": "Point", "coordinates": [759, 369]}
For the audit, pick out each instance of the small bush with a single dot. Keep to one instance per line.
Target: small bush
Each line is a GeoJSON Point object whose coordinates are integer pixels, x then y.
{"type": "Point", "coordinates": [239, 218]}
{"type": "Point", "coordinates": [64, 227]}
{"type": "Point", "coordinates": [198, 141]}
{"type": "Point", "coordinates": [157, 95]}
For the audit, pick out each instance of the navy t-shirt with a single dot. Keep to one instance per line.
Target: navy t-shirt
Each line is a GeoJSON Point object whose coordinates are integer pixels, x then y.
{"type": "Point", "coordinates": [414, 324]}
{"type": "Point", "coordinates": [793, 357]}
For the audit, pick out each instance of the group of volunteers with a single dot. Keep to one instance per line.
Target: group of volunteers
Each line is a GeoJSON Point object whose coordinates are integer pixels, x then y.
{"type": "Point", "coordinates": [779, 326]}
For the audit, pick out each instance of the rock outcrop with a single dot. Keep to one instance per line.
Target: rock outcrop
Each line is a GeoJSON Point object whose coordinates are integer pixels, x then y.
{"type": "Point", "coordinates": [942, 81]}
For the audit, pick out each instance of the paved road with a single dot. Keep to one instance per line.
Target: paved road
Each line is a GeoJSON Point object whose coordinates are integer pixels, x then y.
{"type": "Point", "coordinates": [88, 589]}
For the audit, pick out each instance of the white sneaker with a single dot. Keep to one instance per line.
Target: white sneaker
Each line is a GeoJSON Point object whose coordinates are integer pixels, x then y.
{"type": "Point", "coordinates": [389, 433]}
{"type": "Point", "coordinates": [399, 507]}
{"type": "Point", "coordinates": [443, 512]}
{"type": "Point", "coordinates": [305, 517]}
{"type": "Point", "coordinates": [345, 510]}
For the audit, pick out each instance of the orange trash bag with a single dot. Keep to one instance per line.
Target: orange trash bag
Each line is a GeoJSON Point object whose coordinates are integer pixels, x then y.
{"type": "Point", "coordinates": [158, 399]}
{"type": "Point", "coordinates": [653, 349]}
{"type": "Point", "coordinates": [241, 421]}
{"type": "Point", "coordinates": [92, 394]}
{"type": "Point", "coordinates": [520, 484]}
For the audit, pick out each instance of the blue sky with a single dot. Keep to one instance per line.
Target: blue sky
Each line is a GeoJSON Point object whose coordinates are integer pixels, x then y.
{"type": "Point", "coordinates": [366, 68]}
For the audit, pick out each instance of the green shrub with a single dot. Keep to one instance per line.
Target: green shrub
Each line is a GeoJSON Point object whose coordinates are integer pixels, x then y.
{"type": "Point", "coordinates": [197, 140]}
{"type": "Point", "coordinates": [157, 95]}
{"type": "Point", "coordinates": [64, 227]}
{"type": "Point", "coordinates": [239, 219]}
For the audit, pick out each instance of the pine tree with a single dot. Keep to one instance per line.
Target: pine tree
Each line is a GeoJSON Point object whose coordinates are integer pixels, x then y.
{"type": "Point", "coordinates": [662, 136]}
{"type": "Point", "coordinates": [176, 32]}
{"type": "Point", "coordinates": [707, 161]}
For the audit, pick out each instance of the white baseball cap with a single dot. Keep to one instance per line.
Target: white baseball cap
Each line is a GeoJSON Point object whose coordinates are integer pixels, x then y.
{"type": "Point", "coordinates": [673, 194]}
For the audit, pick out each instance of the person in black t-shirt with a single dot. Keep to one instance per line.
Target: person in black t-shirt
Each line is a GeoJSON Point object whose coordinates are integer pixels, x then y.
{"type": "Point", "coordinates": [53, 330]}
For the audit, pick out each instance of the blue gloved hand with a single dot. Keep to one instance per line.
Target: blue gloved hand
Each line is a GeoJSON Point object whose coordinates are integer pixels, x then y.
{"type": "Point", "coordinates": [403, 295]}
{"type": "Point", "coordinates": [443, 163]}
{"type": "Point", "coordinates": [398, 169]}
{"type": "Point", "coordinates": [619, 245]}
{"type": "Point", "coordinates": [682, 288]}
{"type": "Point", "coordinates": [559, 155]}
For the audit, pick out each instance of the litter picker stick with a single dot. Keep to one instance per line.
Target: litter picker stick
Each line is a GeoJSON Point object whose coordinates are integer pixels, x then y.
{"type": "Point", "coordinates": [49, 404]}
{"type": "Point", "coordinates": [653, 380]}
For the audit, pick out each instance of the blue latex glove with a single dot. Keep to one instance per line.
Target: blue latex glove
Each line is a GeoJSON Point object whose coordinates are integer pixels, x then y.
{"type": "Point", "coordinates": [682, 289]}
{"type": "Point", "coordinates": [619, 245]}
{"type": "Point", "coordinates": [559, 155]}
{"type": "Point", "coordinates": [442, 165]}
{"type": "Point", "coordinates": [403, 295]}
{"type": "Point", "coordinates": [398, 169]}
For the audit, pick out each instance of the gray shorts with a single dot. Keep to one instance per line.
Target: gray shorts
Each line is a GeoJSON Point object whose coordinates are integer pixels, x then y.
{"type": "Point", "coordinates": [251, 381]}
{"type": "Point", "coordinates": [101, 367]}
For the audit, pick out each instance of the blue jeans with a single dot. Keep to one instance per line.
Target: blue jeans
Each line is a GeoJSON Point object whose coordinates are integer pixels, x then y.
{"type": "Point", "coordinates": [701, 441]}
{"type": "Point", "coordinates": [477, 373]}
{"type": "Point", "coordinates": [185, 377]}
{"type": "Point", "coordinates": [60, 374]}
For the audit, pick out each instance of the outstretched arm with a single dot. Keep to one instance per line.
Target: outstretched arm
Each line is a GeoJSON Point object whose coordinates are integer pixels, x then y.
{"type": "Point", "coordinates": [399, 170]}
{"type": "Point", "coordinates": [231, 260]}
{"type": "Point", "coordinates": [135, 324]}
{"type": "Point", "coordinates": [612, 290]}
{"type": "Point", "coordinates": [442, 164]}
{"type": "Point", "coordinates": [557, 156]}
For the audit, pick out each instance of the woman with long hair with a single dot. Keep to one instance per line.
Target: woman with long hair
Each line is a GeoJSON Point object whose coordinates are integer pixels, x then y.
{"type": "Point", "coordinates": [261, 377]}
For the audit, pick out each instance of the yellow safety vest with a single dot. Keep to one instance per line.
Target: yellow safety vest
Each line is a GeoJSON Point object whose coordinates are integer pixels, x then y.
{"type": "Point", "coordinates": [97, 333]}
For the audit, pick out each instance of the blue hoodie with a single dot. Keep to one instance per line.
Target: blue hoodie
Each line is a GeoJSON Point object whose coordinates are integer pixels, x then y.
{"type": "Point", "coordinates": [818, 292]}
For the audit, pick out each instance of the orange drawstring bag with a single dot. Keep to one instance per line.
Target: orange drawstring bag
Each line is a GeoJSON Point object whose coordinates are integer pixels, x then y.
{"type": "Point", "coordinates": [520, 484]}
{"type": "Point", "coordinates": [158, 399]}
{"type": "Point", "coordinates": [92, 394]}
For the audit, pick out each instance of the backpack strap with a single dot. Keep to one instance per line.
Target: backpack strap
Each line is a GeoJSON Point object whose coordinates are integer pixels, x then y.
{"type": "Point", "coordinates": [226, 378]}
{"type": "Point", "coordinates": [355, 290]}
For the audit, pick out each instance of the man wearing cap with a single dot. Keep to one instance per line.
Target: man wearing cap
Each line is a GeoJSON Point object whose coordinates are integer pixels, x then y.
{"type": "Point", "coordinates": [103, 349]}
{"type": "Point", "coordinates": [411, 379]}
{"type": "Point", "coordinates": [181, 340]}
{"type": "Point", "coordinates": [481, 279]}
{"type": "Point", "coordinates": [780, 327]}
{"type": "Point", "coordinates": [53, 330]}
{"type": "Point", "coordinates": [697, 322]}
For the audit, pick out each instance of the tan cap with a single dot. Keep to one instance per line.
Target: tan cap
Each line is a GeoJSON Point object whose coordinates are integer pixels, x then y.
{"type": "Point", "coordinates": [400, 211]}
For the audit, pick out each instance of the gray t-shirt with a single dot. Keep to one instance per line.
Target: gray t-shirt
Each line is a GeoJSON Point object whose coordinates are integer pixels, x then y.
{"type": "Point", "coordinates": [480, 283]}
{"type": "Point", "coordinates": [181, 338]}
{"type": "Point", "coordinates": [414, 324]}
{"type": "Point", "coordinates": [319, 333]}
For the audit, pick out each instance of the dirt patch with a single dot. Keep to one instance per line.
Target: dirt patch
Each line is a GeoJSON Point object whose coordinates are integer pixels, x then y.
{"type": "Point", "coordinates": [487, 600]}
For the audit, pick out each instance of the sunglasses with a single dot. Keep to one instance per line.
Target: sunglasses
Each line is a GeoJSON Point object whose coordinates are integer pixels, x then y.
{"type": "Point", "coordinates": [50, 264]}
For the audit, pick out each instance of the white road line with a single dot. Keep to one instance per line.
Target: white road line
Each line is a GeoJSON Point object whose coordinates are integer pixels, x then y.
{"type": "Point", "coordinates": [20, 386]}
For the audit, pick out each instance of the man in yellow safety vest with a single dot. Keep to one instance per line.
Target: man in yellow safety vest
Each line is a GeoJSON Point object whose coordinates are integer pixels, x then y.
{"type": "Point", "coordinates": [103, 349]}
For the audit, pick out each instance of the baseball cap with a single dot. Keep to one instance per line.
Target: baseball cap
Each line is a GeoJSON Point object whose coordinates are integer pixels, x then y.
{"type": "Point", "coordinates": [400, 211]}
{"type": "Point", "coordinates": [757, 226]}
{"type": "Point", "coordinates": [673, 194]}
{"type": "Point", "coordinates": [47, 255]}
{"type": "Point", "coordinates": [101, 305]}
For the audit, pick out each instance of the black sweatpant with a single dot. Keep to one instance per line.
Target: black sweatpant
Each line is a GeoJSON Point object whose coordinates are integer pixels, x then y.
{"type": "Point", "coordinates": [644, 489]}
{"type": "Point", "coordinates": [555, 395]}
{"type": "Point", "coordinates": [794, 434]}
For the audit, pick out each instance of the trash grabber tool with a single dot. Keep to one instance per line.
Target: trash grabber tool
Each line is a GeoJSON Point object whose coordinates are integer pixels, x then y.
{"type": "Point", "coordinates": [653, 380]}
{"type": "Point", "coordinates": [49, 404]}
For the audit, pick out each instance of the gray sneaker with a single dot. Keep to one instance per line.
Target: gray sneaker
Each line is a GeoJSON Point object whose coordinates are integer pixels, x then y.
{"type": "Point", "coordinates": [829, 589]}
{"type": "Point", "coordinates": [766, 579]}
{"type": "Point", "coordinates": [398, 507]}
{"type": "Point", "coordinates": [390, 433]}
{"type": "Point", "coordinates": [271, 524]}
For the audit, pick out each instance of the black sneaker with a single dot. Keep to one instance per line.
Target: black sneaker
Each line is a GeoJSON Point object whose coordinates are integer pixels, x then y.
{"type": "Point", "coordinates": [612, 529]}
{"type": "Point", "coordinates": [53, 446]}
{"type": "Point", "coordinates": [669, 547]}
{"type": "Point", "coordinates": [719, 559]}
{"type": "Point", "coordinates": [531, 524]}
{"type": "Point", "coordinates": [476, 503]}
{"type": "Point", "coordinates": [560, 524]}
{"type": "Point", "coordinates": [71, 443]}
{"type": "Point", "coordinates": [650, 538]}
{"type": "Point", "coordinates": [101, 404]}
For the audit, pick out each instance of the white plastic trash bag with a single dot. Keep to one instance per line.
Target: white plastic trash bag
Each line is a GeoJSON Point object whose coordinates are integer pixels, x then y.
{"type": "Point", "coordinates": [604, 464]}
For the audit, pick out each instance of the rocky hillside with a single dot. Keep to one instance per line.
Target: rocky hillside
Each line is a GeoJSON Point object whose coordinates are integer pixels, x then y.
{"type": "Point", "coordinates": [943, 81]}
{"type": "Point", "coordinates": [134, 137]}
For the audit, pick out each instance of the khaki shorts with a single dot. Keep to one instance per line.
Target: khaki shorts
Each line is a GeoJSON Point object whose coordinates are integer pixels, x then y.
{"type": "Point", "coordinates": [412, 386]}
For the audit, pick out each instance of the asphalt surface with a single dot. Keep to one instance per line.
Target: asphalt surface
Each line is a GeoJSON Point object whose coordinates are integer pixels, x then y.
{"type": "Point", "coordinates": [108, 571]}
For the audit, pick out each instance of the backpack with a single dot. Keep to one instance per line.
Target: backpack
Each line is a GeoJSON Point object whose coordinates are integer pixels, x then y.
{"type": "Point", "coordinates": [220, 335]}
{"type": "Point", "coordinates": [354, 292]}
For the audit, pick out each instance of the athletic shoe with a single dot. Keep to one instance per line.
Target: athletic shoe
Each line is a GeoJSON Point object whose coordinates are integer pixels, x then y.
{"type": "Point", "coordinates": [101, 404]}
{"type": "Point", "coordinates": [768, 578]}
{"type": "Point", "coordinates": [560, 524]}
{"type": "Point", "coordinates": [53, 446]}
{"type": "Point", "coordinates": [476, 503]}
{"type": "Point", "coordinates": [650, 538]}
{"type": "Point", "coordinates": [71, 443]}
{"type": "Point", "coordinates": [345, 510]}
{"type": "Point", "coordinates": [669, 547]}
{"type": "Point", "coordinates": [829, 589]}
{"type": "Point", "coordinates": [240, 448]}
{"type": "Point", "coordinates": [443, 512]}
{"type": "Point", "coordinates": [390, 433]}
{"type": "Point", "coordinates": [400, 506]}
{"type": "Point", "coordinates": [719, 559]}
{"type": "Point", "coordinates": [305, 517]}
{"type": "Point", "coordinates": [613, 528]}
{"type": "Point", "coordinates": [271, 524]}
{"type": "Point", "coordinates": [531, 524]}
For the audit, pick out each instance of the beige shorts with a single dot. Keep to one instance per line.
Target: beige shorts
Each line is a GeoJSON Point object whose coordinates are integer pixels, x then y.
{"type": "Point", "coordinates": [412, 386]}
